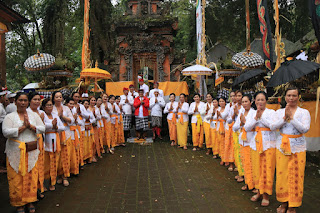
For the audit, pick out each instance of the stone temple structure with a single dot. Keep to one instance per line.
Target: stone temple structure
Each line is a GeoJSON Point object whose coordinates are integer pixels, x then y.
{"type": "Point", "coordinates": [145, 41]}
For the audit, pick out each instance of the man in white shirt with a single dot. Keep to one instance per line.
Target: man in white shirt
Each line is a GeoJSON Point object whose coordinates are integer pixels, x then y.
{"type": "Point", "coordinates": [144, 87]}
{"type": "Point", "coordinates": [126, 101]}
{"type": "Point", "coordinates": [2, 138]}
{"type": "Point", "coordinates": [133, 93]}
{"type": "Point", "coordinates": [12, 106]}
{"type": "Point", "coordinates": [156, 105]}
{"type": "Point", "coordinates": [156, 87]}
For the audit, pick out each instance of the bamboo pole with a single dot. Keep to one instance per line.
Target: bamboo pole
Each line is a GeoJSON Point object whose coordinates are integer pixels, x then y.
{"type": "Point", "coordinates": [248, 26]}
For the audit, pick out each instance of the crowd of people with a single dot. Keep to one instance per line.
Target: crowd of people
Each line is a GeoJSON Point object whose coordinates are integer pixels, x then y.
{"type": "Point", "coordinates": [56, 137]}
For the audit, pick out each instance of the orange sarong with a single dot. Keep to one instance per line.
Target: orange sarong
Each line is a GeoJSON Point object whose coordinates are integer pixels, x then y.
{"type": "Point", "coordinates": [228, 155]}
{"type": "Point", "coordinates": [267, 169]}
{"type": "Point", "coordinates": [290, 177]}
{"type": "Point", "coordinates": [172, 130]}
{"type": "Point", "coordinates": [22, 189]}
{"type": "Point", "coordinates": [247, 166]}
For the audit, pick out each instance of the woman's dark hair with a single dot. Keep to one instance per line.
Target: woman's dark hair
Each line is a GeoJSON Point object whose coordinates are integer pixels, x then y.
{"type": "Point", "coordinates": [215, 99]}
{"type": "Point", "coordinates": [19, 94]}
{"type": "Point", "coordinates": [99, 97]}
{"type": "Point", "coordinates": [238, 91]}
{"type": "Point", "coordinates": [249, 96]}
{"type": "Point", "coordinates": [196, 94]}
{"type": "Point", "coordinates": [184, 95]}
{"type": "Point", "coordinates": [90, 97]}
{"type": "Point", "coordinates": [72, 94]}
{"type": "Point", "coordinates": [172, 94]}
{"type": "Point", "coordinates": [111, 96]}
{"type": "Point", "coordinates": [32, 94]}
{"type": "Point", "coordinates": [223, 98]}
{"type": "Point", "coordinates": [68, 99]}
{"type": "Point", "coordinates": [211, 95]}
{"type": "Point", "coordinates": [283, 102]}
{"type": "Point", "coordinates": [53, 95]}
{"type": "Point", "coordinates": [291, 88]}
{"type": "Point", "coordinates": [85, 100]}
{"type": "Point", "coordinates": [117, 97]}
{"type": "Point", "coordinates": [260, 92]}
{"type": "Point", "coordinates": [44, 103]}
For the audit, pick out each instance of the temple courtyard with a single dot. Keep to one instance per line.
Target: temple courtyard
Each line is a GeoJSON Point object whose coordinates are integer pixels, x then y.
{"type": "Point", "coordinates": [158, 178]}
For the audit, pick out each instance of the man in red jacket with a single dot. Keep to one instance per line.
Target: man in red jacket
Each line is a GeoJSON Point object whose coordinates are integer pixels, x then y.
{"type": "Point", "coordinates": [141, 105]}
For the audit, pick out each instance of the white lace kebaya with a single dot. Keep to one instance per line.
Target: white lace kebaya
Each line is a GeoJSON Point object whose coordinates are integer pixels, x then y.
{"type": "Point", "coordinates": [300, 124]}
{"type": "Point", "coordinates": [266, 120]}
{"type": "Point", "coordinates": [10, 129]}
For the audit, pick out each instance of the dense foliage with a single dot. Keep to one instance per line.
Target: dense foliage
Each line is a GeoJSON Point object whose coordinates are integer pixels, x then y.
{"type": "Point", "coordinates": [57, 27]}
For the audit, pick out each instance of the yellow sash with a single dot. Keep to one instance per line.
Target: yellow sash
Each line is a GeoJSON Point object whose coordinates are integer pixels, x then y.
{"type": "Point", "coordinates": [199, 122]}
{"type": "Point", "coordinates": [181, 117]}
{"type": "Point", "coordinates": [23, 152]}
{"type": "Point", "coordinates": [258, 137]}
{"type": "Point", "coordinates": [174, 119]}
{"type": "Point", "coordinates": [40, 142]}
{"type": "Point", "coordinates": [285, 143]}
{"type": "Point", "coordinates": [76, 137]}
{"type": "Point", "coordinates": [221, 126]}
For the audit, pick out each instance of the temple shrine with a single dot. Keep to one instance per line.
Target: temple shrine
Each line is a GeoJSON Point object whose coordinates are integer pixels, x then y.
{"type": "Point", "coordinates": [145, 42]}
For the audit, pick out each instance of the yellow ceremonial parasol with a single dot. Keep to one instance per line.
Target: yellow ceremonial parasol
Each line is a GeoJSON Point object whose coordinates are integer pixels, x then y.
{"type": "Point", "coordinates": [95, 73]}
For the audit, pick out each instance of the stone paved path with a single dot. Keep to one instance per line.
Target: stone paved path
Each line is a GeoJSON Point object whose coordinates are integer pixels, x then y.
{"type": "Point", "coordinates": [157, 178]}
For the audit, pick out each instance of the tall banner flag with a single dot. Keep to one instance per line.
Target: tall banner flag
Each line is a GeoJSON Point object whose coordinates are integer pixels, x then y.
{"type": "Point", "coordinates": [265, 30]}
{"type": "Point", "coordinates": [199, 28]}
{"type": "Point", "coordinates": [85, 57]}
{"type": "Point", "coordinates": [314, 12]}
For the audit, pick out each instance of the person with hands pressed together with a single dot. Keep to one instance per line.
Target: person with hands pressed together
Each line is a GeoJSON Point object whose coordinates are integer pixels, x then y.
{"type": "Point", "coordinates": [171, 110]}
{"type": "Point", "coordinates": [156, 104]}
{"type": "Point", "coordinates": [52, 142]}
{"type": "Point", "coordinates": [213, 127]}
{"type": "Point", "coordinates": [66, 117]}
{"type": "Point", "coordinates": [222, 115]}
{"type": "Point", "coordinates": [263, 148]}
{"type": "Point", "coordinates": [182, 122]}
{"type": "Point", "coordinates": [141, 105]}
{"type": "Point", "coordinates": [196, 122]}
{"type": "Point", "coordinates": [207, 114]}
{"type": "Point", "coordinates": [228, 147]}
{"type": "Point", "coordinates": [245, 139]}
{"type": "Point", "coordinates": [126, 101]}
{"type": "Point", "coordinates": [293, 122]}
{"type": "Point", "coordinates": [21, 129]}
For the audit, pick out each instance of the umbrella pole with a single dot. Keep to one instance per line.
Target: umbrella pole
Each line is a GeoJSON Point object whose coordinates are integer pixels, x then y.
{"type": "Point", "coordinates": [248, 25]}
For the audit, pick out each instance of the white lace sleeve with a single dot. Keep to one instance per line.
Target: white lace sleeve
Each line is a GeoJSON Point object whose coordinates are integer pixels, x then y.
{"type": "Point", "coordinates": [8, 129]}
{"type": "Point", "coordinates": [302, 124]}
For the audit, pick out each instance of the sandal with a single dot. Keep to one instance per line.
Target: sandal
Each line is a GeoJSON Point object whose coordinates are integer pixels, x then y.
{"type": "Point", "coordinates": [194, 149]}
{"type": "Point", "coordinates": [236, 177]}
{"type": "Point", "coordinates": [291, 210]}
{"type": "Point", "coordinates": [244, 188]}
{"type": "Point", "coordinates": [214, 157]}
{"type": "Point", "coordinates": [255, 198]}
{"type": "Point", "coordinates": [31, 209]}
{"type": "Point", "coordinates": [52, 188]}
{"type": "Point", "coordinates": [240, 179]}
{"type": "Point", "coordinates": [221, 163]}
{"type": "Point", "coordinates": [59, 181]}
{"type": "Point", "coordinates": [20, 210]}
{"type": "Point", "coordinates": [65, 182]}
{"type": "Point", "coordinates": [185, 148]}
{"type": "Point", "coordinates": [230, 169]}
{"type": "Point", "coordinates": [227, 164]}
{"type": "Point", "coordinates": [265, 202]}
{"type": "Point", "coordinates": [235, 169]}
{"type": "Point", "coordinates": [172, 143]}
{"type": "Point", "coordinates": [282, 208]}
{"type": "Point", "coordinates": [255, 190]}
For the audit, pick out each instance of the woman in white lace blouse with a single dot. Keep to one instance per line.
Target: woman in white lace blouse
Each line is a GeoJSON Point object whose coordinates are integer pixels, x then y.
{"type": "Point", "coordinates": [21, 129]}
{"type": "Point", "coordinates": [293, 122]}
{"type": "Point", "coordinates": [263, 148]}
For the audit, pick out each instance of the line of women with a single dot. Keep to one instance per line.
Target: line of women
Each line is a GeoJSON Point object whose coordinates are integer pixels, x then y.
{"type": "Point", "coordinates": [256, 142]}
{"type": "Point", "coordinates": [54, 138]}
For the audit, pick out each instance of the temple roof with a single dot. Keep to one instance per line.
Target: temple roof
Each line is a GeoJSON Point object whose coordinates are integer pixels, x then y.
{"type": "Point", "coordinates": [10, 16]}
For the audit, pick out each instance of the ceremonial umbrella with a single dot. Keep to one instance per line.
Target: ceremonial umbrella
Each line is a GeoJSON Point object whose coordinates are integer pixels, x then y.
{"type": "Point", "coordinates": [95, 73]}
{"type": "Point", "coordinates": [292, 70]}
{"type": "Point", "coordinates": [197, 70]}
{"type": "Point", "coordinates": [247, 60]}
{"type": "Point", "coordinates": [247, 75]}
{"type": "Point", "coordinates": [39, 62]}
